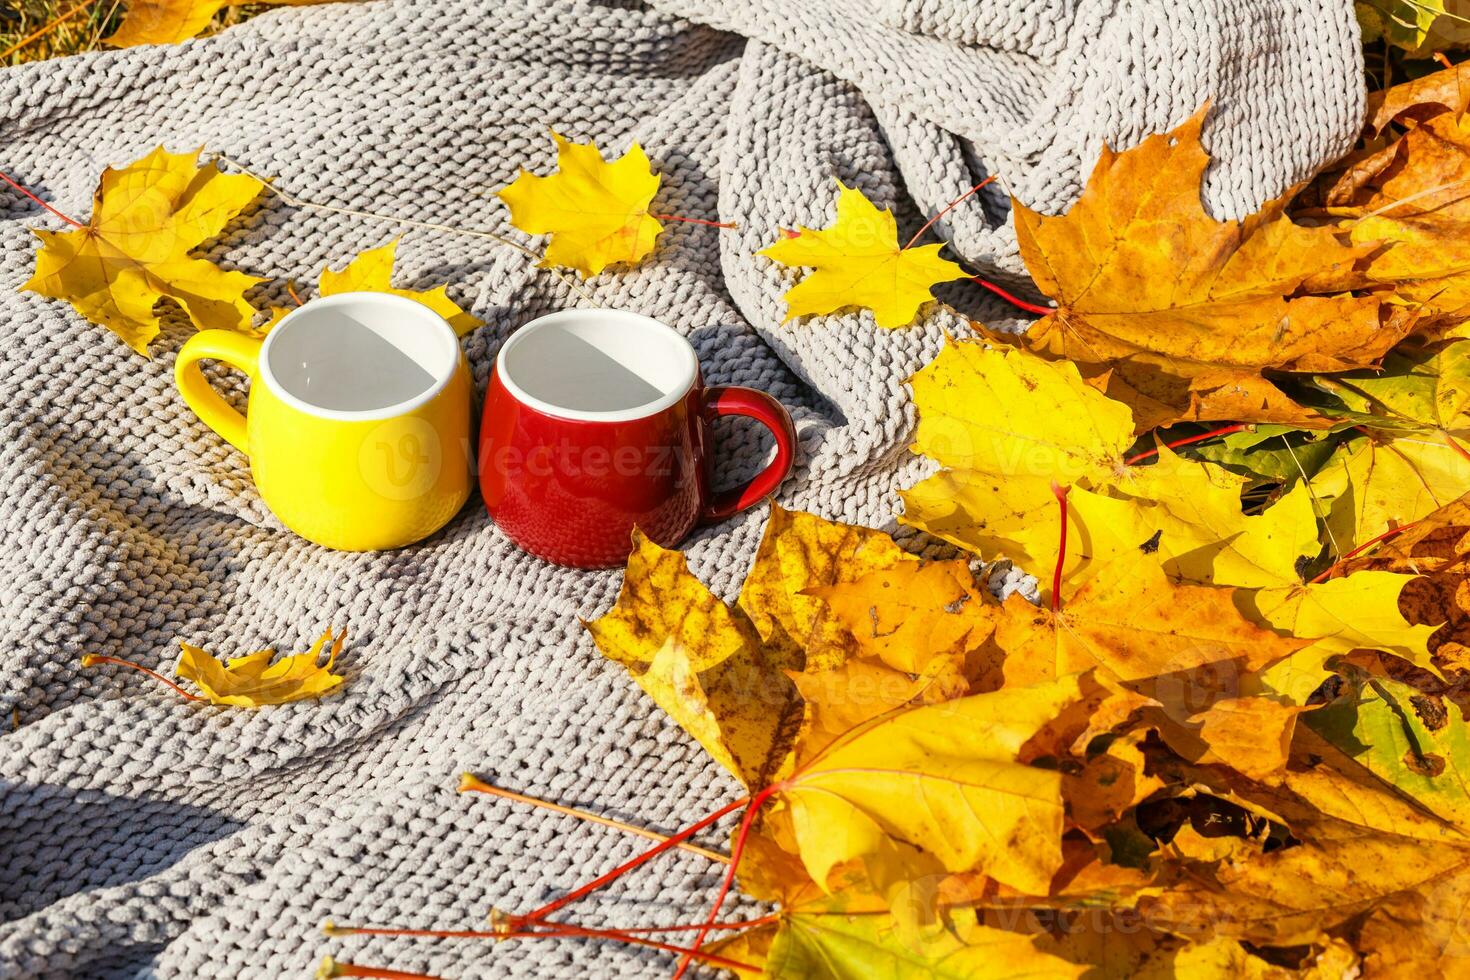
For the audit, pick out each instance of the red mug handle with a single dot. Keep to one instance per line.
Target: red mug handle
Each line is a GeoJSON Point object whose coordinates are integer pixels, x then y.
{"type": "Point", "coordinates": [722, 400]}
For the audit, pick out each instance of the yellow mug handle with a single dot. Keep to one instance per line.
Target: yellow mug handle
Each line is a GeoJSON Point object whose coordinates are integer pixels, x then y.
{"type": "Point", "coordinates": [236, 350]}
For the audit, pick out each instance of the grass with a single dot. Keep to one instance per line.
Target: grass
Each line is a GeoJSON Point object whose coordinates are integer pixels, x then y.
{"type": "Point", "coordinates": [34, 30]}
{"type": "Point", "coordinates": [31, 30]}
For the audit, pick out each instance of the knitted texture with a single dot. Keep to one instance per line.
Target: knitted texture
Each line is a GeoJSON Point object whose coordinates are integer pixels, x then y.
{"type": "Point", "coordinates": [141, 836]}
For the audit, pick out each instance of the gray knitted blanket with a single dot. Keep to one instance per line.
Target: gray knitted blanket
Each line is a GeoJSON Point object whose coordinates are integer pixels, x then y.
{"type": "Point", "coordinates": [142, 836]}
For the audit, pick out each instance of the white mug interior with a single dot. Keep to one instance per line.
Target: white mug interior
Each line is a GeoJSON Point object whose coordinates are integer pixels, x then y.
{"type": "Point", "coordinates": [597, 365]}
{"type": "Point", "coordinates": [359, 356]}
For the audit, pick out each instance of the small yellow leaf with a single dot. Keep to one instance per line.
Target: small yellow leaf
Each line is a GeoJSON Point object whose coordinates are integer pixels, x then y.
{"type": "Point", "coordinates": [253, 680]}
{"type": "Point", "coordinates": [372, 271]}
{"type": "Point", "coordinates": [146, 218]}
{"type": "Point", "coordinates": [858, 262]}
{"type": "Point", "coordinates": [595, 212]}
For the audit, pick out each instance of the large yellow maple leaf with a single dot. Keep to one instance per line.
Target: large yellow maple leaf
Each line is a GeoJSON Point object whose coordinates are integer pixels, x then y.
{"type": "Point", "coordinates": [1148, 282]}
{"type": "Point", "coordinates": [596, 212]}
{"type": "Point", "coordinates": [146, 218]}
{"type": "Point", "coordinates": [858, 262]}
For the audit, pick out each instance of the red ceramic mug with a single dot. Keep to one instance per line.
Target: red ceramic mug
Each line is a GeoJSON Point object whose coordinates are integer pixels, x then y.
{"type": "Point", "coordinates": [596, 422]}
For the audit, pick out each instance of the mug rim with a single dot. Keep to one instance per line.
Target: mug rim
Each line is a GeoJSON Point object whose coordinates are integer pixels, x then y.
{"type": "Point", "coordinates": [404, 305]}
{"type": "Point", "coordinates": [646, 410]}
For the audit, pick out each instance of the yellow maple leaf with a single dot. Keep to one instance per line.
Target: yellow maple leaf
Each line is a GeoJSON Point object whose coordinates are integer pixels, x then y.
{"type": "Point", "coordinates": [1438, 543]}
{"type": "Point", "coordinates": [914, 633]}
{"type": "Point", "coordinates": [1041, 424]}
{"type": "Point", "coordinates": [1356, 612]}
{"type": "Point", "coordinates": [1196, 526]}
{"type": "Point", "coordinates": [1381, 481]}
{"type": "Point", "coordinates": [1221, 958]}
{"type": "Point", "coordinates": [908, 615]}
{"type": "Point", "coordinates": [1109, 783]}
{"type": "Point", "coordinates": [800, 553]}
{"type": "Point", "coordinates": [254, 680]}
{"type": "Point", "coordinates": [858, 263]}
{"type": "Point", "coordinates": [701, 663]}
{"type": "Point", "coordinates": [1252, 735]}
{"type": "Point", "coordinates": [1040, 419]}
{"type": "Point", "coordinates": [173, 21]}
{"type": "Point", "coordinates": [1420, 933]}
{"type": "Point", "coordinates": [1293, 894]}
{"type": "Point", "coordinates": [146, 218]}
{"type": "Point", "coordinates": [372, 271]}
{"type": "Point", "coordinates": [1143, 275]}
{"type": "Point", "coordinates": [983, 810]}
{"type": "Point", "coordinates": [1135, 624]}
{"type": "Point", "coordinates": [1411, 193]}
{"type": "Point", "coordinates": [836, 945]}
{"type": "Point", "coordinates": [1044, 424]}
{"type": "Point", "coordinates": [595, 212]}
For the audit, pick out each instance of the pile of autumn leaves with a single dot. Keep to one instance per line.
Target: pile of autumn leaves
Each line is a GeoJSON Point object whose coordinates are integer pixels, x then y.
{"type": "Point", "coordinates": [1230, 740]}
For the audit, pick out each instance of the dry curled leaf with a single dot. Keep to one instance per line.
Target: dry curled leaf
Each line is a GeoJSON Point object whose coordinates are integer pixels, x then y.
{"type": "Point", "coordinates": [258, 679]}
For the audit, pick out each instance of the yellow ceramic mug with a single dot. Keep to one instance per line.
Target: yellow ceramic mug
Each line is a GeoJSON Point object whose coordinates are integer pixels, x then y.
{"type": "Point", "coordinates": [358, 425]}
